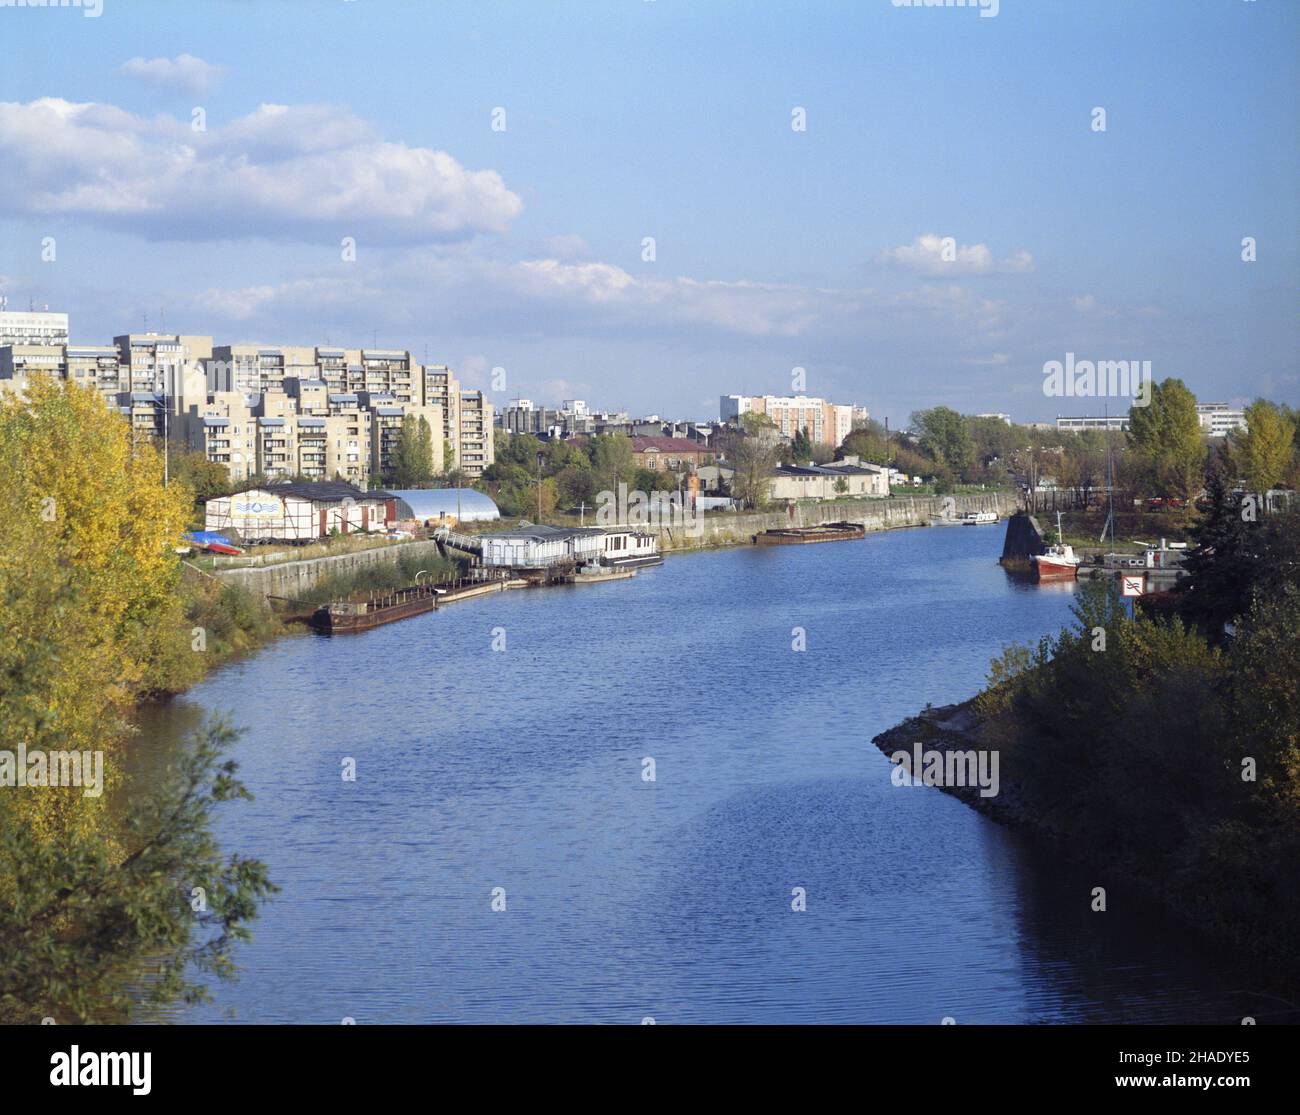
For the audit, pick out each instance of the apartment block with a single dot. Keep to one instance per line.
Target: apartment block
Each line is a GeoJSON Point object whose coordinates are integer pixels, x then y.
{"type": "Point", "coordinates": [33, 327]}
{"type": "Point", "coordinates": [276, 410]}
{"type": "Point", "coordinates": [156, 361]}
{"type": "Point", "coordinates": [826, 423]}
{"type": "Point", "coordinates": [475, 445]}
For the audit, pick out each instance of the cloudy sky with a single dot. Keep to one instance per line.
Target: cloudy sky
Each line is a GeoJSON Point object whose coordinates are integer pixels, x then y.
{"type": "Point", "coordinates": [948, 221]}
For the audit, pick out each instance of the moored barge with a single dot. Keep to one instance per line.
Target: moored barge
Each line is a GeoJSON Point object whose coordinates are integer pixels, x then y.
{"type": "Point", "coordinates": [346, 616]}
{"type": "Point", "coordinates": [801, 536]}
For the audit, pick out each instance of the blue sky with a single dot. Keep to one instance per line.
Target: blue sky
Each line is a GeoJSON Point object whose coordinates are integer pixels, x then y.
{"type": "Point", "coordinates": [670, 119]}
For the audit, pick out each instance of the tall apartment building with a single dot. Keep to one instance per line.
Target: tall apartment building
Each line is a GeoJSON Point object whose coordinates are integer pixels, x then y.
{"type": "Point", "coordinates": [475, 445]}
{"type": "Point", "coordinates": [156, 361]}
{"type": "Point", "coordinates": [826, 423]}
{"type": "Point", "coordinates": [33, 327]}
{"type": "Point", "coordinates": [277, 410]}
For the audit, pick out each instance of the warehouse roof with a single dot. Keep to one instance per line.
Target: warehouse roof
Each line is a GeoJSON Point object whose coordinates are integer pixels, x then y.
{"type": "Point", "coordinates": [445, 503]}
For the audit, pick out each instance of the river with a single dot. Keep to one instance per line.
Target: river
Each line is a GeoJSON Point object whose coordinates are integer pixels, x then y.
{"type": "Point", "coordinates": [522, 768]}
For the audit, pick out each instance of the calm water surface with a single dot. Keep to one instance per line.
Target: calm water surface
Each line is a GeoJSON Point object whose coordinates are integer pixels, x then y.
{"type": "Point", "coordinates": [522, 769]}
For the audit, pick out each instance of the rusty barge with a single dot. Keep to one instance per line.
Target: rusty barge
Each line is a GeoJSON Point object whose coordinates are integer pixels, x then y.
{"type": "Point", "coordinates": [342, 617]}
{"type": "Point", "coordinates": [802, 536]}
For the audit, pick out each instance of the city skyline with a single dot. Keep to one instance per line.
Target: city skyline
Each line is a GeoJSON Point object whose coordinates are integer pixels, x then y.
{"type": "Point", "coordinates": [774, 248]}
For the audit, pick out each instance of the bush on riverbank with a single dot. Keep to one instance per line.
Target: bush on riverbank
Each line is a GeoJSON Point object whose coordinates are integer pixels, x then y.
{"type": "Point", "coordinates": [1171, 761]}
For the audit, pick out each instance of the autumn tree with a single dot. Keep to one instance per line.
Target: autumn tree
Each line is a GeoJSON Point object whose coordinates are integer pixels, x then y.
{"type": "Point", "coordinates": [1265, 450]}
{"type": "Point", "coordinates": [91, 620]}
{"type": "Point", "coordinates": [753, 450]}
{"type": "Point", "coordinates": [1166, 441]}
{"type": "Point", "coordinates": [944, 437]}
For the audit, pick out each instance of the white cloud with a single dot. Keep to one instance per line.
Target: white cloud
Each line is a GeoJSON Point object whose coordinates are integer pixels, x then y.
{"type": "Point", "coordinates": [185, 73]}
{"type": "Point", "coordinates": [311, 172]}
{"type": "Point", "coordinates": [931, 254]}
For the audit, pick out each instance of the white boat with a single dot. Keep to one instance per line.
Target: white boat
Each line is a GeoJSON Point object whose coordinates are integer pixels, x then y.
{"type": "Point", "coordinates": [978, 518]}
{"type": "Point", "coordinates": [1058, 562]}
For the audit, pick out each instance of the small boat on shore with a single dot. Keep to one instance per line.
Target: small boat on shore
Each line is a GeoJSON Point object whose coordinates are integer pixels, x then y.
{"type": "Point", "coordinates": [800, 536]}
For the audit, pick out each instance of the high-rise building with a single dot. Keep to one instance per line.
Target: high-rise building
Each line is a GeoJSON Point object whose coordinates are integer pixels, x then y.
{"type": "Point", "coordinates": [33, 327]}
{"type": "Point", "coordinates": [825, 423]}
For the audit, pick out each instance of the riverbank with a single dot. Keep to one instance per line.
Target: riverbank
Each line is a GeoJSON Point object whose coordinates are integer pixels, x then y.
{"type": "Point", "coordinates": [952, 728]}
{"type": "Point", "coordinates": [238, 618]}
{"type": "Point", "coordinates": [713, 530]}
{"type": "Point", "coordinates": [1161, 763]}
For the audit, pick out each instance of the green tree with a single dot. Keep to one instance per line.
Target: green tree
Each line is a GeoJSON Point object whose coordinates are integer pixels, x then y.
{"type": "Point", "coordinates": [1266, 450]}
{"type": "Point", "coordinates": [206, 479]}
{"type": "Point", "coordinates": [411, 460]}
{"type": "Point", "coordinates": [943, 435]}
{"type": "Point", "coordinates": [611, 461]}
{"type": "Point", "coordinates": [1166, 441]}
{"type": "Point", "coordinates": [801, 447]}
{"type": "Point", "coordinates": [869, 443]}
{"type": "Point", "coordinates": [753, 451]}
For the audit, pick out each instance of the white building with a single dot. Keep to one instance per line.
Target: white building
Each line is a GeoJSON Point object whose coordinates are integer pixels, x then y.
{"type": "Point", "coordinates": [299, 512]}
{"type": "Point", "coordinates": [32, 327]}
{"type": "Point", "coordinates": [1219, 419]}
{"type": "Point", "coordinates": [1093, 422]}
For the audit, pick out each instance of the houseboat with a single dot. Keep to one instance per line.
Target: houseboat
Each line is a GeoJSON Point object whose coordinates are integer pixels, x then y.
{"type": "Point", "coordinates": [978, 518]}
{"type": "Point", "coordinates": [628, 548]}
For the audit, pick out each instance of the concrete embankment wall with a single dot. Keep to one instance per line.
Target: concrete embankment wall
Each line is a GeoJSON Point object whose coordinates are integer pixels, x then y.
{"type": "Point", "coordinates": [291, 578]}
{"type": "Point", "coordinates": [726, 529]}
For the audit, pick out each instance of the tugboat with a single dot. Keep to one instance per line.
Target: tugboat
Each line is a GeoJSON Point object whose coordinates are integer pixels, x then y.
{"type": "Point", "coordinates": [1058, 562]}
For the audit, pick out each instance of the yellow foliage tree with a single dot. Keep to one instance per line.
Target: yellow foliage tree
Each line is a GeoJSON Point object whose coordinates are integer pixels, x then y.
{"type": "Point", "coordinates": [89, 608]}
